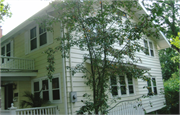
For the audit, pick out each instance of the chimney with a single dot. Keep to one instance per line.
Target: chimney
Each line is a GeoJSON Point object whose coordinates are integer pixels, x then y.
{"type": "Point", "coordinates": [0, 32]}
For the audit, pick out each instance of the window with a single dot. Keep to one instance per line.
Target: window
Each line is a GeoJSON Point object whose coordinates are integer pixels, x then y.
{"type": "Point", "coordinates": [149, 50]}
{"type": "Point", "coordinates": [6, 50]}
{"type": "Point", "coordinates": [37, 40]}
{"type": "Point", "coordinates": [152, 88]}
{"type": "Point", "coordinates": [122, 85]}
{"type": "Point", "coordinates": [49, 90]}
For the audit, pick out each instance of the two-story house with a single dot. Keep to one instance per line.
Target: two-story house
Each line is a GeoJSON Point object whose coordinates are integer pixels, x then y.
{"type": "Point", "coordinates": [23, 68]}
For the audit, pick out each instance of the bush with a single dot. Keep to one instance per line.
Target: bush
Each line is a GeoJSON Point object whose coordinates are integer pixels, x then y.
{"type": "Point", "coordinates": [171, 91]}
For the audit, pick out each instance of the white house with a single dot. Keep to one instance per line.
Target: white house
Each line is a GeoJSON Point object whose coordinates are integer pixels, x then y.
{"type": "Point", "coordinates": [23, 68]}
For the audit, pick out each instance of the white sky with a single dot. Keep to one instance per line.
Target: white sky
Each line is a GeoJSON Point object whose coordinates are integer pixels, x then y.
{"type": "Point", "coordinates": [22, 10]}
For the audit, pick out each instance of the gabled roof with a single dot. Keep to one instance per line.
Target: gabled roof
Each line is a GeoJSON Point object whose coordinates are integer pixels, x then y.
{"type": "Point", "coordinates": [162, 42]}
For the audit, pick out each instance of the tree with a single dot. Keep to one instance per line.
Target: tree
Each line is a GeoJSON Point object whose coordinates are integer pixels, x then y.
{"type": "Point", "coordinates": [96, 27]}
{"type": "Point", "coordinates": [165, 13]}
{"type": "Point", "coordinates": [4, 10]}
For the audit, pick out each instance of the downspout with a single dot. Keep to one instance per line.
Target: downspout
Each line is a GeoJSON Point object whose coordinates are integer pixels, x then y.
{"type": "Point", "coordinates": [64, 80]}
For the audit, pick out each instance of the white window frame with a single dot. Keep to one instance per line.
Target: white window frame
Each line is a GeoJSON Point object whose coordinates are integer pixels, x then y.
{"type": "Point", "coordinates": [11, 51]}
{"type": "Point", "coordinates": [149, 48]}
{"type": "Point", "coordinates": [49, 89]}
{"type": "Point", "coordinates": [126, 85]}
{"type": "Point", "coordinates": [152, 86]}
{"type": "Point", "coordinates": [49, 38]}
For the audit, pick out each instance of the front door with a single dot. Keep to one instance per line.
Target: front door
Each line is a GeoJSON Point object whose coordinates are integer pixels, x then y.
{"type": "Point", "coordinates": [8, 95]}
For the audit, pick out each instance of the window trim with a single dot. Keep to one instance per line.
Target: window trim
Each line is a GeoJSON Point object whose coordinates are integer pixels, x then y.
{"type": "Point", "coordinates": [149, 48]}
{"type": "Point", "coordinates": [50, 87]}
{"type": "Point", "coordinates": [126, 85]}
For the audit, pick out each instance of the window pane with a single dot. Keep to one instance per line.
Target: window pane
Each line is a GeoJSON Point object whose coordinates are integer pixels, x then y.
{"type": "Point", "coordinates": [131, 90]}
{"type": "Point", "coordinates": [36, 94]}
{"type": "Point", "coordinates": [56, 95]}
{"type": "Point", "coordinates": [8, 47]}
{"type": "Point", "coordinates": [8, 54]}
{"type": "Point", "coordinates": [123, 90]}
{"type": "Point", "coordinates": [130, 81]}
{"type": "Point", "coordinates": [46, 95]}
{"type": "Point", "coordinates": [33, 33]}
{"type": "Point", "coordinates": [155, 91]}
{"type": "Point", "coordinates": [34, 44]}
{"type": "Point", "coordinates": [41, 30]}
{"type": "Point", "coordinates": [113, 80]}
{"type": "Point", "coordinates": [114, 90]}
{"type": "Point", "coordinates": [149, 83]}
{"type": "Point", "coordinates": [122, 80]}
{"type": "Point", "coordinates": [45, 84]}
{"type": "Point", "coordinates": [43, 39]}
{"type": "Point", "coordinates": [150, 44]}
{"type": "Point", "coordinates": [3, 51]}
{"type": "Point", "coordinates": [149, 91]}
{"type": "Point", "coordinates": [36, 86]}
{"type": "Point", "coordinates": [145, 44]}
{"type": "Point", "coordinates": [152, 53]}
{"type": "Point", "coordinates": [154, 81]}
{"type": "Point", "coordinates": [55, 83]}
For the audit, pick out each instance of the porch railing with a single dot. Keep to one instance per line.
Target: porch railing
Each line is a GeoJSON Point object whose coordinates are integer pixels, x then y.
{"type": "Point", "coordinates": [49, 110]}
{"type": "Point", "coordinates": [16, 63]}
{"type": "Point", "coordinates": [127, 107]}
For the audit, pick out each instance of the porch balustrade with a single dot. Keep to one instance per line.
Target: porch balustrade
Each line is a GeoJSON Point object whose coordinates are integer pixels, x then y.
{"type": "Point", "coordinates": [16, 63]}
{"type": "Point", "coordinates": [49, 110]}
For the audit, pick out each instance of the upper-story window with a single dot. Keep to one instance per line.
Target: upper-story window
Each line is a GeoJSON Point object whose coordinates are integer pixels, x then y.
{"type": "Point", "coordinates": [122, 85]}
{"type": "Point", "coordinates": [149, 49]}
{"type": "Point", "coordinates": [6, 50]}
{"type": "Point", "coordinates": [37, 37]}
{"type": "Point", "coordinates": [152, 88]}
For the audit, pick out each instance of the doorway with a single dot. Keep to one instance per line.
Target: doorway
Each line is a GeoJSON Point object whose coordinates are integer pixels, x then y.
{"type": "Point", "coordinates": [8, 95]}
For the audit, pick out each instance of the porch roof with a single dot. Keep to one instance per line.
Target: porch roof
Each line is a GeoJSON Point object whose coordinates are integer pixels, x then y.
{"type": "Point", "coordinates": [17, 74]}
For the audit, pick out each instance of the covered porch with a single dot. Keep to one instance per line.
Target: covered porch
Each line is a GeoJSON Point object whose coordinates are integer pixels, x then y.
{"type": "Point", "coordinates": [15, 73]}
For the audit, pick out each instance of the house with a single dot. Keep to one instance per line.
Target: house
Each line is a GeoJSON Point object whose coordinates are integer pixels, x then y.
{"type": "Point", "coordinates": [23, 68]}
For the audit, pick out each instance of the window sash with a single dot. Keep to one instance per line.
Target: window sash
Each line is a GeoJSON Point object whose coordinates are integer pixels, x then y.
{"type": "Point", "coordinates": [152, 88]}
{"type": "Point", "coordinates": [121, 87]}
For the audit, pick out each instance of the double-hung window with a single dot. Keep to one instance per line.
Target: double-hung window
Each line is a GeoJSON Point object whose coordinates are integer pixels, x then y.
{"type": "Point", "coordinates": [152, 88]}
{"type": "Point", "coordinates": [122, 85]}
{"type": "Point", "coordinates": [49, 90]}
{"type": "Point", "coordinates": [149, 49]}
{"type": "Point", "coordinates": [6, 50]}
{"type": "Point", "coordinates": [36, 38]}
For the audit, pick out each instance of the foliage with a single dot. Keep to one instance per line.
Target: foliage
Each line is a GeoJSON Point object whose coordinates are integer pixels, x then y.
{"type": "Point", "coordinates": [176, 40]}
{"type": "Point", "coordinates": [171, 91]}
{"type": "Point", "coordinates": [4, 10]}
{"type": "Point", "coordinates": [96, 27]}
{"type": "Point", "coordinates": [168, 66]}
{"type": "Point", "coordinates": [165, 13]}
{"type": "Point", "coordinates": [34, 100]}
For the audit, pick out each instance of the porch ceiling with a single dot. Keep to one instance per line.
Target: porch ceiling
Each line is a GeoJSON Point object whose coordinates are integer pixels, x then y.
{"type": "Point", "coordinates": [17, 74]}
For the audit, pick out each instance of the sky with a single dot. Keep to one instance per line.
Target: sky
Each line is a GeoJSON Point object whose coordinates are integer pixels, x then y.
{"type": "Point", "coordinates": [21, 10]}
